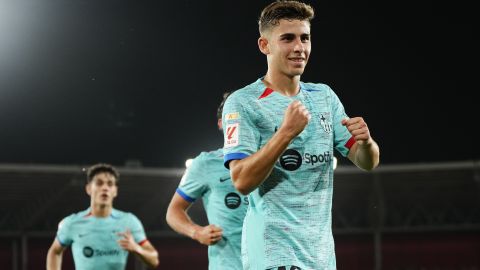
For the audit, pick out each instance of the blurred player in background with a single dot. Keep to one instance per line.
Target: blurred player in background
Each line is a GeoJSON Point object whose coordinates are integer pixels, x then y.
{"type": "Point", "coordinates": [101, 237]}
{"type": "Point", "coordinates": [208, 179]}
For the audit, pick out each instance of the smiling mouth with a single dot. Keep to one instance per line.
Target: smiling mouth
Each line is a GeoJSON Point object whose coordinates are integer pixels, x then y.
{"type": "Point", "coordinates": [298, 60]}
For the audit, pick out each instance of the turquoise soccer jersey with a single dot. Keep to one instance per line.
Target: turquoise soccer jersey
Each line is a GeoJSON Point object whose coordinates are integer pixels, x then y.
{"type": "Point", "coordinates": [94, 240]}
{"type": "Point", "coordinates": [288, 222]}
{"type": "Point", "coordinates": [207, 178]}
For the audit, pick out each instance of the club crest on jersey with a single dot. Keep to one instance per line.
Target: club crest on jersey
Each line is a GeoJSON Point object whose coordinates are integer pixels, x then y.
{"type": "Point", "coordinates": [325, 123]}
{"type": "Point", "coordinates": [231, 135]}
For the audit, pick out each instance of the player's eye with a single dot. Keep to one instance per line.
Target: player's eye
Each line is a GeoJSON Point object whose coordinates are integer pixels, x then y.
{"type": "Point", "coordinates": [287, 37]}
{"type": "Point", "coordinates": [305, 38]}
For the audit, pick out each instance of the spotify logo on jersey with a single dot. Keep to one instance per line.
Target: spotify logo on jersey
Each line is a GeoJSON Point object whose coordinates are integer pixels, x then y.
{"type": "Point", "coordinates": [88, 252]}
{"type": "Point", "coordinates": [291, 160]}
{"type": "Point", "coordinates": [232, 200]}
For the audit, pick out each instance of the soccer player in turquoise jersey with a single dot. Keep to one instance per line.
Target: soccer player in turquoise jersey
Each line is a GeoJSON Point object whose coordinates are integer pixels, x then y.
{"type": "Point", "coordinates": [207, 178]}
{"type": "Point", "coordinates": [280, 134]}
{"type": "Point", "coordinates": [101, 237]}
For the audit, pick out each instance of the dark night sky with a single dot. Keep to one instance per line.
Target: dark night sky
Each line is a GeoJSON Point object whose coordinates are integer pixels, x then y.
{"type": "Point", "coordinates": [117, 80]}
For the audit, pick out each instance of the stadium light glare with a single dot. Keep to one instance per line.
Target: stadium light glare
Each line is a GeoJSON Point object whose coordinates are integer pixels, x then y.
{"type": "Point", "coordinates": [188, 162]}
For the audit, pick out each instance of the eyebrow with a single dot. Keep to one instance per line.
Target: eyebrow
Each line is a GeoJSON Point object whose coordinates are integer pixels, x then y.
{"type": "Point", "coordinates": [287, 35]}
{"type": "Point", "coordinates": [292, 34]}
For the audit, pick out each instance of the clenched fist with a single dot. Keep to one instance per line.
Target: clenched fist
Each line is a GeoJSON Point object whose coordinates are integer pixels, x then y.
{"type": "Point", "coordinates": [295, 119]}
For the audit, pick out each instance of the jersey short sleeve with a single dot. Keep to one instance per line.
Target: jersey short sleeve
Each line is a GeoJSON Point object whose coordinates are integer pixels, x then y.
{"type": "Point", "coordinates": [241, 136]}
{"type": "Point", "coordinates": [343, 140]}
{"type": "Point", "coordinates": [64, 232]}
{"type": "Point", "coordinates": [193, 185]}
{"type": "Point", "coordinates": [137, 229]}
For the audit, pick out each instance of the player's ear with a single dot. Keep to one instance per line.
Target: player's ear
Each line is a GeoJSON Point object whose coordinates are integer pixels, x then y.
{"type": "Point", "coordinates": [88, 188]}
{"type": "Point", "coordinates": [263, 45]}
{"type": "Point", "coordinates": [115, 191]}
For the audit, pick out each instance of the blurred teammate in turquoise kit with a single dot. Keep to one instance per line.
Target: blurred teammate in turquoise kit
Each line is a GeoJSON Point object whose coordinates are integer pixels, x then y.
{"type": "Point", "coordinates": [280, 134]}
{"type": "Point", "coordinates": [208, 179]}
{"type": "Point", "coordinates": [101, 236]}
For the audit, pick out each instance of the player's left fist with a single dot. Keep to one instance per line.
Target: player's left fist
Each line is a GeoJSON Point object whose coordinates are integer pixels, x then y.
{"type": "Point", "coordinates": [359, 129]}
{"type": "Point", "coordinates": [127, 242]}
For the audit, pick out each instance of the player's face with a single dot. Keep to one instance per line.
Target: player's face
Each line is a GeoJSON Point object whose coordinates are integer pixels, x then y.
{"type": "Point", "coordinates": [289, 47]}
{"type": "Point", "coordinates": [102, 189]}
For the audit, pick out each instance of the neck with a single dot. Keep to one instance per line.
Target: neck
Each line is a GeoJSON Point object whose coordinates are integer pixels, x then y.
{"type": "Point", "coordinates": [285, 85]}
{"type": "Point", "coordinates": [101, 210]}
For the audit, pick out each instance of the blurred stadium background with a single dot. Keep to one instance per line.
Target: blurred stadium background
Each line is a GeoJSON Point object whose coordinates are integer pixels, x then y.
{"type": "Point", "coordinates": [400, 217]}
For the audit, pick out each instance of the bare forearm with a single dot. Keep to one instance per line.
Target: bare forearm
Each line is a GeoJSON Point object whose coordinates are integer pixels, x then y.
{"type": "Point", "coordinates": [149, 256]}
{"type": "Point", "coordinates": [54, 261]}
{"type": "Point", "coordinates": [367, 156]}
{"type": "Point", "coordinates": [180, 222]}
{"type": "Point", "coordinates": [247, 174]}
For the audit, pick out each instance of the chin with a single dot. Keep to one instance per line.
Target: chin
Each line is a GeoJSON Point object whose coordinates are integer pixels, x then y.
{"type": "Point", "coordinates": [105, 202]}
{"type": "Point", "coordinates": [297, 70]}
{"type": "Point", "coordinates": [296, 73]}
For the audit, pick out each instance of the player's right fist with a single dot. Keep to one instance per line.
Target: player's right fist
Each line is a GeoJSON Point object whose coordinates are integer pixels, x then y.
{"type": "Point", "coordinates": [208, 235]}
{"type": "Point", "coordinates": [295, 119]}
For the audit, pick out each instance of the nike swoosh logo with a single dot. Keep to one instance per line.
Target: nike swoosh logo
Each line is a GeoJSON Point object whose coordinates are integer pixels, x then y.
{"type": "Point", "coordinates": [223, 179]}
{"type": "Point", "coordinates": [82, 235]}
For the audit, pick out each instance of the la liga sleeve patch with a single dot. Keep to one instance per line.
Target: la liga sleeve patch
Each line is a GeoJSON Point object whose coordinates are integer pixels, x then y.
{"type": "Point", "coordinates": [231, 135]}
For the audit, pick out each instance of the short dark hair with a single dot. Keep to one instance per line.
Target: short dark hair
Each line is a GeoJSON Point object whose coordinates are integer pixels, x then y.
{"type": "Point", "coordinates": [220, 107]}
{"type": "Point", "coordinates": [101, 168]}
{"type": "Point", "coordinates": [281, 9]}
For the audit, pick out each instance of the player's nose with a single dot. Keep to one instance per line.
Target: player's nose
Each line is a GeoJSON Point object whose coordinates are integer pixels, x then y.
{"type": "Point", "coordinates": [299, 46]}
